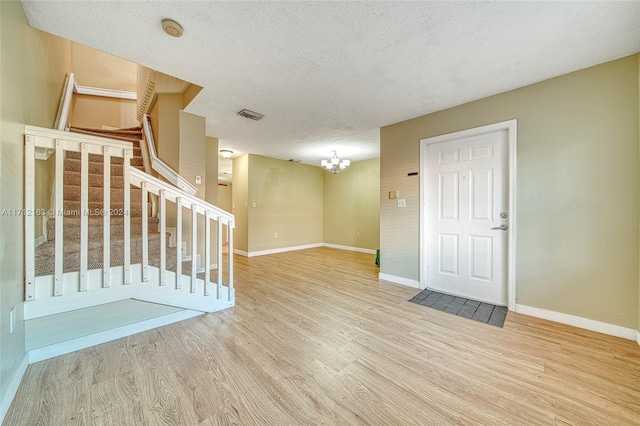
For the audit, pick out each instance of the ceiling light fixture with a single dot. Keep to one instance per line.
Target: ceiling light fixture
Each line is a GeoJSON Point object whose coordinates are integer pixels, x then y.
{"type": "Point", "coordinates": [226, 153]}
{"type": "Point", "coordinates": [252, 115]}
{"type": "Point", "coordinates": [172, 28]}
{"type": "Point", "coordinates": [335, 165]}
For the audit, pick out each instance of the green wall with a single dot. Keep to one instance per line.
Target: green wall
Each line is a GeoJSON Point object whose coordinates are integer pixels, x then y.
{"type": "Point", "coordinates": [240, 199]}
{"type": "Point", "coordinates": [33, 67]}
{"type": "Point", "coordinates": [352, 206]}
{"type": "Point", "coordinates": [304, 205]}
{"type": "Point", "coordinates": [284, 198]}
{"type": "Point", "coordinates": [577, 189]}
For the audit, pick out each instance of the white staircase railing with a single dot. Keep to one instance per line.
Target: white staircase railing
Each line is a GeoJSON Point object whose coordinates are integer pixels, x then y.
{"type": "Point", "coordinates": [62, 120]}
{"type": "Point", "coordinates": [160, 166]}
{"type": "Point", "coordinates": [64, 290]}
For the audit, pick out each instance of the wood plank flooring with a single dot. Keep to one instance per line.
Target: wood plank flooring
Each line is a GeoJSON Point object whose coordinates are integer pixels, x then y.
{"type": "Point", "coordinates": [316, 339]}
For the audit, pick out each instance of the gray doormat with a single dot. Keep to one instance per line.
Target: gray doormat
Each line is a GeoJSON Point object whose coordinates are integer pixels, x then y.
{"type": "Point", "coordinates": [477, 311]}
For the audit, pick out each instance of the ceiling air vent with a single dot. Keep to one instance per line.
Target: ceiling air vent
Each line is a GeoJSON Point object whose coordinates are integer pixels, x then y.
{"type": "Point", "coordinates": [251, 114]}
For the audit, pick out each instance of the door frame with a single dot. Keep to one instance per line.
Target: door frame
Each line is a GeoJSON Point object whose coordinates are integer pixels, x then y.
{"type": "Point", "coordinates": [511, 126]}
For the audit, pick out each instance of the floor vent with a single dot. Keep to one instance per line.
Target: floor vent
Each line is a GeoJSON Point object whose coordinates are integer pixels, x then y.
{"type": "Point", "coordinates": [251, 114]}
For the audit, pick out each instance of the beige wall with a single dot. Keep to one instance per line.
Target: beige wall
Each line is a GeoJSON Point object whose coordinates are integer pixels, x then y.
{"type": "Point", "coordinates": [33, 68]}
{"type": "Point", "coordinates": [224, 196]}
{"type": "Point", "coordinates": [96, 111]}
{"type": "Point", "coordinates": [193, 151]}
{"type": "Point", "coordinates": [211, 172]}
{"type": "Point", "coordinates": [303, 204]}
{"type": "Point", "coordinates": [240, 197]}
{"type": "Point", "coordinates": [225, 203]}
{"type": "Point", "coordinates": [288, 201]}
{"type": "Point", "coordinates": [94, 68]}
{"type": "Point", "coordinates": [577, 189]}
{"type": "Point", "coordinates": [352, 206]}
{"type": "Point", "coordinates": [166, 128]}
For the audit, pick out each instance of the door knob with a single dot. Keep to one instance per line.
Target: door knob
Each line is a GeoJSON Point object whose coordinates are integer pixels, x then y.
{"type": "Point", "coordinates": [501, 227]}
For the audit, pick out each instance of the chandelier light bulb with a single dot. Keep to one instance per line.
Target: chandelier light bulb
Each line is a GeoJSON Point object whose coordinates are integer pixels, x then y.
{"type": "Point", "coordinates": [334, 164]}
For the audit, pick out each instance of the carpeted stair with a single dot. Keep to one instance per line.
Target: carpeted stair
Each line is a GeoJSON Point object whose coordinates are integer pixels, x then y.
{"type": "Point", "coordinates": [45, 253]}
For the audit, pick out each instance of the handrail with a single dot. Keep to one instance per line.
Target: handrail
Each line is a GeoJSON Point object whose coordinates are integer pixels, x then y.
{"type": "Point", "coordinates": [71, 86]}
{"type": "Point", "coordinates": [64, 107]}
{"type": "Point", "coordinates": [160, 166]}
{"type": "Point", "coordinates": [154, 185]}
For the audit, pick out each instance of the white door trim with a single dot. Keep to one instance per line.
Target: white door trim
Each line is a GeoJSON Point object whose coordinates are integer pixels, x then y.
{"type": "Point", "coordinates": [511, 127]}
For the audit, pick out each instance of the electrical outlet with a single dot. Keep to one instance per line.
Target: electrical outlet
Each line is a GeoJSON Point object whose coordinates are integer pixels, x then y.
{"type": "Point", "coordinates": [275, 235]}
{"type": "Point", "coordinates": [402, 203]}
{"type": "Point", "coordinates": [198, 180]}
{"type": "Point", "coordinates": [12, 319]}
{"type": "Point", "coordinates": [357, 235]}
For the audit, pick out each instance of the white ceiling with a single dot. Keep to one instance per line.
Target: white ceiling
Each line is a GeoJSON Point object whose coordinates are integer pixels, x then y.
{"type": "Point", "coordinates": [328, 75]}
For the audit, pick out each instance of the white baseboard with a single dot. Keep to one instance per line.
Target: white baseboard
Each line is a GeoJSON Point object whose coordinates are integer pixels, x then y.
{"type": "Point", "coordinates": [12, 387]}
{"type": "Point", "coordinates": [51, 351]}
{"type": "Point", "coordinates": [585, 323]}
{"type": "Point", "coordinates": [399, 280]}
{"type": "Point", "coordinates": [282, 250]}
{"type": "Point", "coordinates": [303, 247]}
{"type": "Point", "coordinates": [350, 248]}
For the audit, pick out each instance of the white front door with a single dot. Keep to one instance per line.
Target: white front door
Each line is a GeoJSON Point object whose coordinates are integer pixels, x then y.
{"type": "Point", "coordinates": [466, 204]}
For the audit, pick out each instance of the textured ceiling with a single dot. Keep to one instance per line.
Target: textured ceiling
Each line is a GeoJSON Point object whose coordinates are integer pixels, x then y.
{"type": "Point", "coordinates": [328, 75]}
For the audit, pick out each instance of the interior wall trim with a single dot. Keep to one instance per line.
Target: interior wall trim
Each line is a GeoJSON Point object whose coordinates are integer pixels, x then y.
{"type": "Point", "coordinates": [580, 322]}
{"type": "Point", "coordinates": [107, 93]}
{"type": "Point", "coordinates": [12, 387]}
{"type": "Point", "coordinates": [350, 248]}
{"type": "Point", "coordinates": [399, 280]}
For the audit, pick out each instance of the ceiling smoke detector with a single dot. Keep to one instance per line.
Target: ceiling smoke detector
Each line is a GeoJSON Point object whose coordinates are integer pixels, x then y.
{"type": "Point", "coordinates": [250, 114]}
{"type": "Point", "coordinates": [172, 28]}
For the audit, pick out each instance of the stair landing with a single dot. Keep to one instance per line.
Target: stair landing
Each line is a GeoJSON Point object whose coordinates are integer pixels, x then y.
{"type": "Point", "coordinates": [54, 335]}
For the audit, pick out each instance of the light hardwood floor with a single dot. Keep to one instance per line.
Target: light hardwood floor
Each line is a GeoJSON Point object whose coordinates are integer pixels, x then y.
{"type": "Point", "coordinates": [316, 339]}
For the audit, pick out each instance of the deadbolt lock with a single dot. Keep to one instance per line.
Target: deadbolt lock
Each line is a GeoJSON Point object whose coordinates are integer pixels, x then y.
{"type": "Point", "coordinates": [504, 215]}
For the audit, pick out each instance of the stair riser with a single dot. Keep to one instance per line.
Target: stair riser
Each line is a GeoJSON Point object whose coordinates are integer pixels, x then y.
{"type": "Point", "coordinates": [130, 135]}
{"type": "Point", "coordinates": [96, 228]}
{"type": "Point", "coordinates": [137, 152]}
{"type": "Point", "coordinates": [96, 180]}
{"type": "Point", "coordinates": [134, 162]}
{"type": "Point", "coordinates": [72, 193]}
{"type": "Point", "coordinates": [72, 208]}
{"type": "Point", "coordinates": [73, 165]}
{"type": "Point", "coordinates": [45, 264]}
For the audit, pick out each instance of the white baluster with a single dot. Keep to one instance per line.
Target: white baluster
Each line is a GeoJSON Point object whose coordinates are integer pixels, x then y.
{"type": "Point", "coordinates": [59, 245]}
{"type": "Point", "coordinates": [230, 239]}
{"type": "Point", "coordinates": [145, 233]}
{"type": "Point", "coordinates": [163, 235]}
{"type": "Point", "coordinates": [106, 219]}
{"type": "Point", "coordinates": [127, 217]}
{"type": "Point", "coordinates": [179, 243]}
{"type": "Point", "coordinates": [84, 214]}
{"type": "Point", "coordinates": [194, 246]}
{"type": "Point", "coordinates": [219, 245]}
{"type": "Point", "coordinates": [30, 217]}
{"type": "Point", "coordinates": [207, 251]}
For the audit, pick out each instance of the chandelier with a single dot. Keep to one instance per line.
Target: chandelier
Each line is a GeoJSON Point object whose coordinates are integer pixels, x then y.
{"type": "Point", "coordinates": [334, 165]}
